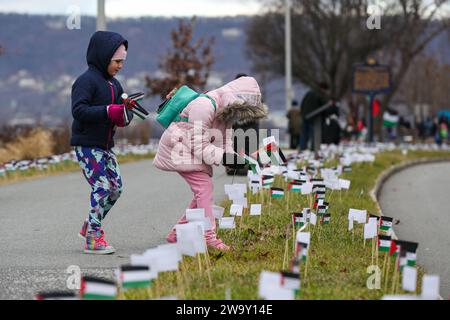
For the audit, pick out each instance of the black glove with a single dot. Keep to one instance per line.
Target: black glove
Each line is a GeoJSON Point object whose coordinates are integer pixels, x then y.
{"type": "Point", "coordinates": [231, 160]}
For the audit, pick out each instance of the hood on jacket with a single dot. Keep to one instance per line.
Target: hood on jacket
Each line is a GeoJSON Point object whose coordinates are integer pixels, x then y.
{"type": "Point", "coordinates": [239, 101]}
{"type": "Point", "coordinates": [101, 49]}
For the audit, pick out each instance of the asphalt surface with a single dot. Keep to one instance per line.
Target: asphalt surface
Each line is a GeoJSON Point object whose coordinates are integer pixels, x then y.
{"type": "Point", "coordinates": [420, 198]}
{"type": "Point", "coordinates": [40, 220]}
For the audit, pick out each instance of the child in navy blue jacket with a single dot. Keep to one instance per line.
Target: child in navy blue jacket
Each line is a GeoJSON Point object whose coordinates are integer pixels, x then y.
{"type": "Point", "coordinates": [97, 110]}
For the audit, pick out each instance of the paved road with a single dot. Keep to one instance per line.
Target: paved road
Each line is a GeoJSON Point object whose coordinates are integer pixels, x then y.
{"type": "Point", "coordinates": [420, 198]}
{"type": "Point", "coordinates": [40, 219]}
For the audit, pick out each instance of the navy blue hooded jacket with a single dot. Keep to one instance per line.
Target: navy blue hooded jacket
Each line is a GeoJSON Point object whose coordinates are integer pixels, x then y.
{"type": "Point", "coordinates": [93, 91]}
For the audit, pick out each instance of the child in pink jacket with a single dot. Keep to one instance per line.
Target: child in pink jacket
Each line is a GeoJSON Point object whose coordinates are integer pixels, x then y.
{"type": "Point", "coordinates": [203, 138]}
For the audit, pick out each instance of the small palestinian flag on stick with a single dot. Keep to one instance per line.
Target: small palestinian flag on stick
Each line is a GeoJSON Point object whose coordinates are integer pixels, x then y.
{"type": "Point", "coordinates": [253, 164]}
{"type": "Point", "coordinates": [131, 277]}
{"type": "Point", "coordinates": [395, 248]}
{"type": "Point", "coordinates": [294, 187]}
{"type": "Point", "coordinates": [298, 219]}
{"type": "Point", "coordinates": [97, 289]}
{"type": "Point", "coordinates": [277, 193]}
{"type": "Point", "coordinates": [326, 218]}
{"type": "Point", "coordinates": [267, 181]}
{"type": "Point", "coordinates": [302, 251]}
{"type": "Point", "coordinates": [321, 210]}
{"type": "Point", "coordinates": [319, 188]}
{"type": "Point", "coordinates": [291, 281]}
{"type": "Point", "coordinates": [386, 225]}
{"type": "Point", "coordinates": [384, 243]}
{"type": "Point", "coordinates": [408, 253]}
{"type": "Point", "coordinates": [320, 195]}
{"type": "Point", "coordinates": [295, 265]}
{"type": "Point", "coordinates": [56, 295]}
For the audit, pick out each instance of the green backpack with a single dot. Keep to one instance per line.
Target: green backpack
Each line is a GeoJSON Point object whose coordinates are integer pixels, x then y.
{"type": "Point", "coordinates": [171, 109]}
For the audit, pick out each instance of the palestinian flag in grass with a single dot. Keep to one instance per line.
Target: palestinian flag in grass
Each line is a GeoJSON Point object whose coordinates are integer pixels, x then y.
{"type": "Point", "coordinates": [317, 181]}
{"type": "Point", "coordinates": [311, 170]}
{"type": "Point", "coordinates": [298, 219]}
{"type": "Point", "coordinates": [320, 195]}
{"type": "Point", "coordinates": [318, 202]}
{"type": "Point", "coordinates": [394, 250]}
{"type": "Point", "coordinates": [252, 163]}
{"type": "Point", "coordinates": [408, 253]}
{"type": "Point", "coordinates": [384, 243]}
{"type": "Point", "coordinates": [131, 277]}
{"type": "Point", "coordinates": [277, 193]}
{"type": "Point", "coordinates": [319, 188]}
{"type": "Point", "coordinates": [294, 187]}
{"type": "Point", "coordinates": [295, 265]}
{"type": "Point", "coordinates": [307, 213]}
{"type": "Point", "coordinates": [267, 181]}
{"type": "Point", "coordinates": [93, 288]}
{"type": "Point", "coordinates": [321, 209]}
{"type": "Point", "coordinates": [275, 154]}
{"type": "Point", "coordinates": [347, 169]}
{"type": "Point", "coordinates": [389, 119]}
{"type": "Point", "coordinates": [301, 251]}
{"type": "Point", "coordinates": [386, 224]}
{"type": "Point", "coordinates": [291, 281]}
{"type": "Point", "coordinates": [56, 295]}
{"type": "Point", "coordinates": [326, 218]}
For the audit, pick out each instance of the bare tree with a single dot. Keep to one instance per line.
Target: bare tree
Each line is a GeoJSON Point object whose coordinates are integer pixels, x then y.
{"type": "Point", "coordinates": [411, 25]}
{"type": "Point", "coordinates": [329, 36]}
{"type": "Point", "coordinates": [187, 63]}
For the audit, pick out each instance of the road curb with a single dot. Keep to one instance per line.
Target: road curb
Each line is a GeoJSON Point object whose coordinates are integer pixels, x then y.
{"type": "Point", "coordinates": [386, 174]}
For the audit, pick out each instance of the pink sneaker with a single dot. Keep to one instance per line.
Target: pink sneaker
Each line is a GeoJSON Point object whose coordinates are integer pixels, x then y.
{"type": "Point", "coordinates": [96, 244]}
{"type": "Point", "coordinates": [172, 236]}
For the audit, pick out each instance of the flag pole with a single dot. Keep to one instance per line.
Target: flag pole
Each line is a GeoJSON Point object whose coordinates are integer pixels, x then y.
{"type": "Point", "coordinates": [386, 280]}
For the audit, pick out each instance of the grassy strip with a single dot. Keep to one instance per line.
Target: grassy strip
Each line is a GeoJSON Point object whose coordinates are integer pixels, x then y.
{"type": "Point", "coordinates": [60, 168]}
{"type": "Point", "coordinates": [338, 261]}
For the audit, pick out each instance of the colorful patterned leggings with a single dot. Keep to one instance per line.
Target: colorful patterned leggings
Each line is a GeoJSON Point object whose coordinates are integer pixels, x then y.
{"type": "Point", "coordinates": [101, 170]}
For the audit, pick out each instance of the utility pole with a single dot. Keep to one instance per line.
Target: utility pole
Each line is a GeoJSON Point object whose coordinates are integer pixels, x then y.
{"type": "Point", "coordinates": [288, 56]}
{"type": "Point", "coordinates": [101, 19]}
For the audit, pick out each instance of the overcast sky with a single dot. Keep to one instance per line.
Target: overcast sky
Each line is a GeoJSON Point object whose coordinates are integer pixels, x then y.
{"type": "Point", "coordinates": [135, 8]}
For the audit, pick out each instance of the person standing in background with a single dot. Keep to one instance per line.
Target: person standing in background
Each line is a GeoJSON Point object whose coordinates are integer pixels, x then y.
{"type": "Point", "coordinates": [294, 124]}
{"type": "Point", "coordinates": [313, 100]}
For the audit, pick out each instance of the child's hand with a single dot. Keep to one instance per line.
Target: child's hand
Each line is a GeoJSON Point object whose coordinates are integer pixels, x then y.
{"type": "Point", "coordinates": [115, 113]}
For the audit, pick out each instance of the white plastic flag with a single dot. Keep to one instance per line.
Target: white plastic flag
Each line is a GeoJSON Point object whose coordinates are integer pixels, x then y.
{"type": "Point", "coordinates": [409, 278]}
{"type": "Point", "coordinates": [218, 212]}
{"type": "Point", "coordinates": [255, 209]}
{"type": "Point", "coordinates": [236, 210]}
{"type": "Point", "coordinates": [345, 184]}
{"type": "Point", "coordinates": [226, 223]}
{"type": "Point", "coordinates": [430, 287]}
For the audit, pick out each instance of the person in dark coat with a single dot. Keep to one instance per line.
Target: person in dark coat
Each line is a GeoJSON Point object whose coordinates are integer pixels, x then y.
{"type": "Point", "coordinates": [97, 109]}
{"type": "Point", "coordinates": [331, 130]}
{"type": "Point", "coordinates": [312, 101]}
{"type": "Point", "coordinates": [294, 125]}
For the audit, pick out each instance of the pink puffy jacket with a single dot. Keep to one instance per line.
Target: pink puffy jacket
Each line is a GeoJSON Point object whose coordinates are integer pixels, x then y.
{"type": "Point", "coordinates": [200, 142]}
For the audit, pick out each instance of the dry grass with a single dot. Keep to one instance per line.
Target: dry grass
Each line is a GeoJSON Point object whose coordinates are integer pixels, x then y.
{"type": "Point", "coordinates": [37, 143]}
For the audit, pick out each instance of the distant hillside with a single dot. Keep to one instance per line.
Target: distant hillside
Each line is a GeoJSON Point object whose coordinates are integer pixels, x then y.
{"type": "Point", "coordinates": [42, 58]}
